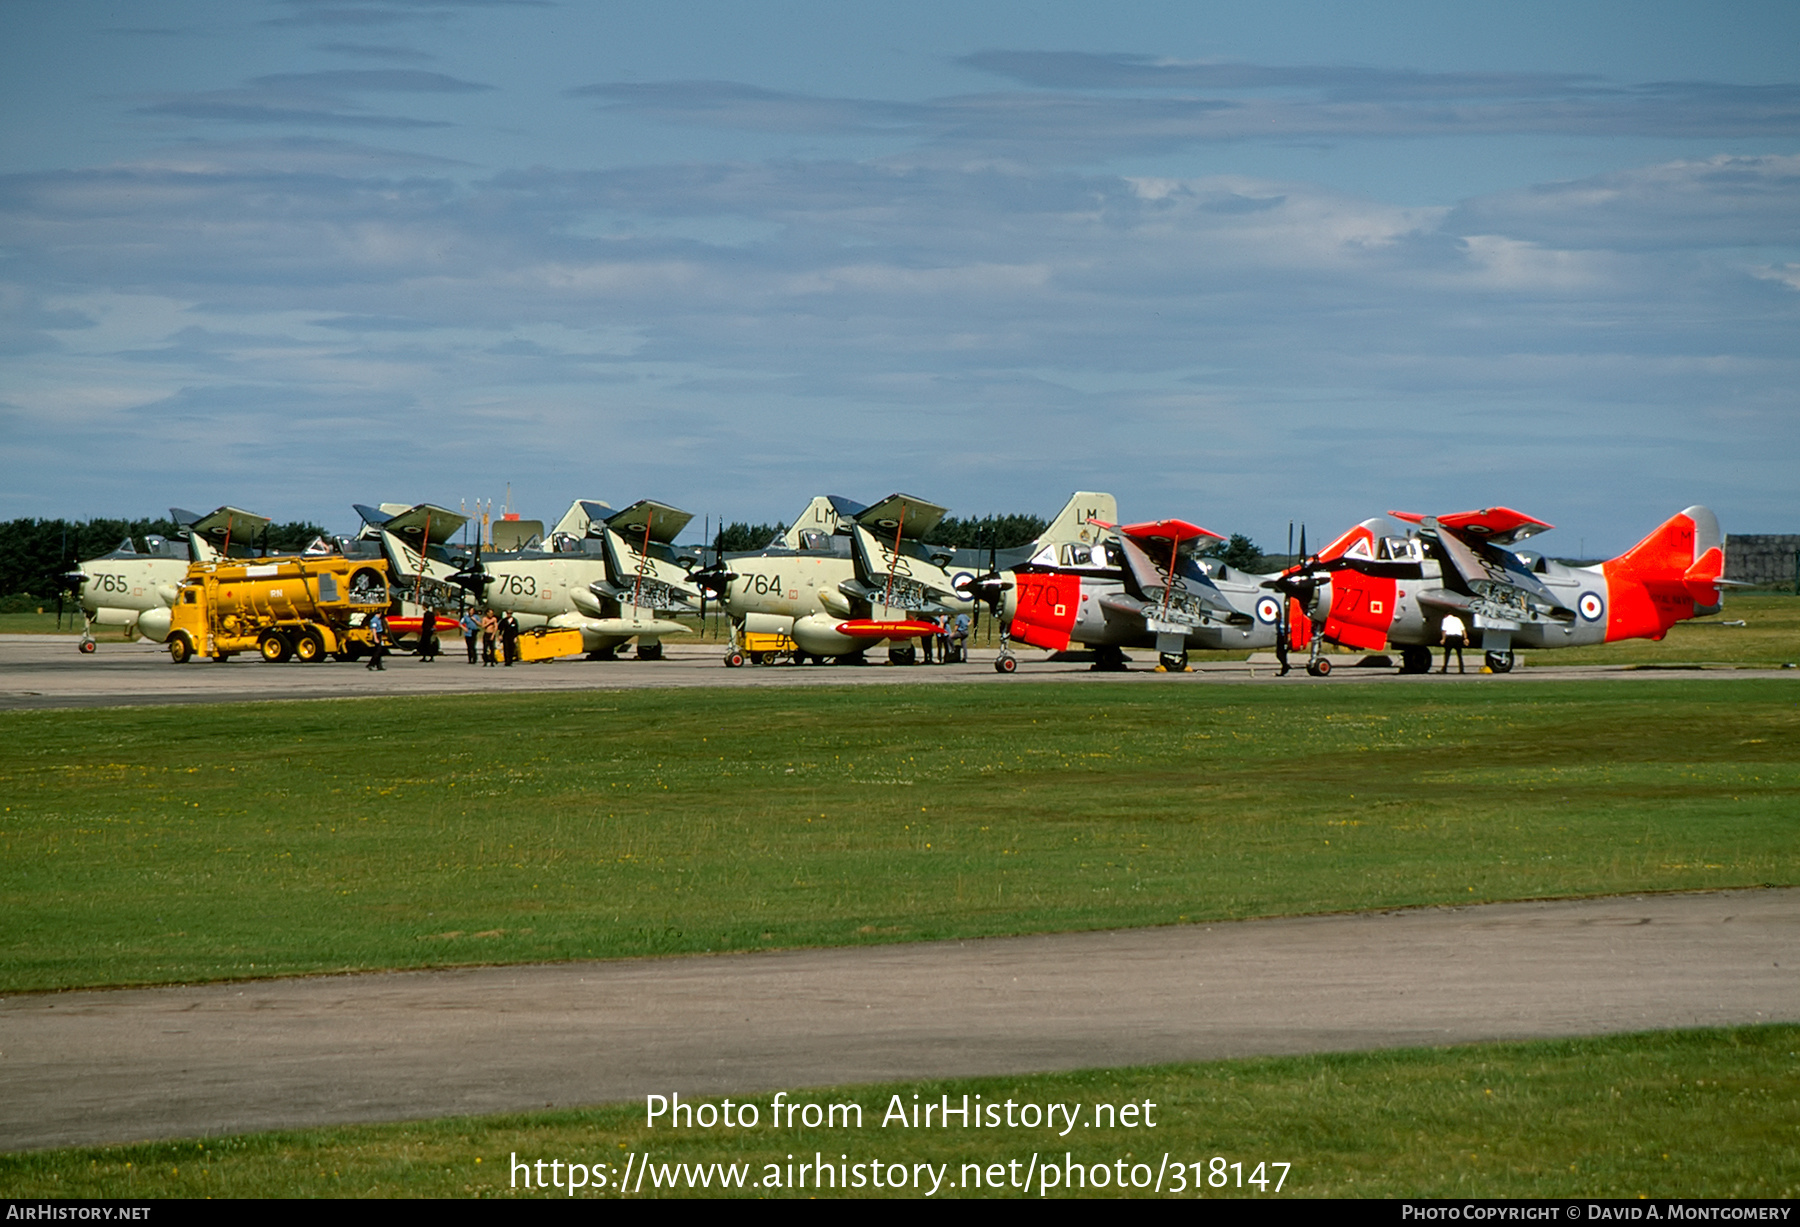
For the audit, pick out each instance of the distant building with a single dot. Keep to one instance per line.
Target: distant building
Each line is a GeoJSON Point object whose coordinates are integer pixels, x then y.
{"type": "Point", "coordinates": [1768, 559]}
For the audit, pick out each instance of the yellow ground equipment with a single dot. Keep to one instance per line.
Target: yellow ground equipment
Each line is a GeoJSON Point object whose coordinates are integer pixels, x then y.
{"type": "Point", "coordinates": [548, 643]}
{"type": "Point", "coordinates": [278, 607]}
{"type": "Point", "coordinates": [765, 648]}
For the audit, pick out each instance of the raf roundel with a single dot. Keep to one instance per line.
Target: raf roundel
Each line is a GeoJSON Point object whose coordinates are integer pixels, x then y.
{"type": "Point", "coordinates": [1591, 606]}
{"type": "Point", "coordinates": [1268, 609]}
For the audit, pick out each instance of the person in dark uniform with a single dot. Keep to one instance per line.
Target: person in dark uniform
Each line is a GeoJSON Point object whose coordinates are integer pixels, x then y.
{"type": "Point", "coordinates": [428, 635]}
{"type": "Point", "coordinates": [509, 638]}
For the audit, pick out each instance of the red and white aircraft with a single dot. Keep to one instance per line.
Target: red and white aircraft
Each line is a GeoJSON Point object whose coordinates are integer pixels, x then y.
{"type": "Point", "coordinates": [1136, 586]}
{"type": "Point", "coordinates": [1369, 590]}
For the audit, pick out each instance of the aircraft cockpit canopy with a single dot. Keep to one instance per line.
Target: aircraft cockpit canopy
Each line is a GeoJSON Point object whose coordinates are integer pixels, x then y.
{"type": "Point", "coordinates": [1399, 549]}
{"type": "Point", "coordinates": [1099, 555]}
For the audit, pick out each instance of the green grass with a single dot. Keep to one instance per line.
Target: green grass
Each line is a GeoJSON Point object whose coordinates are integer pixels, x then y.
{"type": "Point", "coordinates": [143, 845]}
{"type": "Point", "coordinates": [1690, 1114]}
{"type": "Point", "coordinates": [30, 623]}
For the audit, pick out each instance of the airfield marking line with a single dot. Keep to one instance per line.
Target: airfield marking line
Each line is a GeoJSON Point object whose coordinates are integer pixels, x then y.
{"type": "Point", "coordinates": [108, 1066]}
{"type": "Point", "coordinates": [35, 674]}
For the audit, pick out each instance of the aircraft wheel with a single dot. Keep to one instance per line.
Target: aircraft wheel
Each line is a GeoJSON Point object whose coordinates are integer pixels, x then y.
{"type": "Point", "coordinates": [1006, 664]}
{"type": "Point", "coordinates": [274, 647]}
{"type": "Point", "coordinates": [1173, 662]}
{"type": "Point", "coordinates": [1109, 660]}
{"type": "Point", "coordinates": [1320, 668]}
{"type": "Point", "coordinates": [87, 647]}
{"type": "Point", "coordinates": [1500, 662]}
{"type": "Point", "coordinates": [180, 649]}
{"type": "Point", "coordinates": [903, 656]}
{"type": "Point", "coordinates": [1415, 659]}
{"type": "Point", "coordinates": [309, 647]}
{"type": "Point", "coordinates": [649, 651]}
{"type": "Point", "coordinates": [734, 660]}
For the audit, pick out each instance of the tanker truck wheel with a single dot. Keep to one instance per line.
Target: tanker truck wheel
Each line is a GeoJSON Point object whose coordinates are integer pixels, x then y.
{"type": "Point", "coordinates": [309, 647]}
{"type": "Point", "coordinates": [181, 649]}
{"type": "Point", "coordinates": [274, 647]}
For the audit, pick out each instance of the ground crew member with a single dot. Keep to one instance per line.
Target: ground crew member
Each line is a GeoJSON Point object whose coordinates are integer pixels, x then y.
{"type": "Point", "coordinates": [1455, 635]}
{"type": "Point", "coordinates": [471, 628]}
{"type": "Point", "coordinates": [962, 637]}
{"type": "Point", "coordinates": [509, 639]}
{"type": "Point", "coordinates": [490, 631]}
{"type": "Point", "coordinates": [428, 635]}
{"type": "Point", "coordinates": [378, 641]}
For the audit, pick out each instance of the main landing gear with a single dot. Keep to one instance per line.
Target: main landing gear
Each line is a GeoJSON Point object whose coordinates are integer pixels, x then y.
{"type": "Point", "coordinates": [1108, 660]}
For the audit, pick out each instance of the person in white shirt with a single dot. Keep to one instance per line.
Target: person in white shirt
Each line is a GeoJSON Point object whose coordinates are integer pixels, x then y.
{"type": "Point", "coordinates": [1455, 635]}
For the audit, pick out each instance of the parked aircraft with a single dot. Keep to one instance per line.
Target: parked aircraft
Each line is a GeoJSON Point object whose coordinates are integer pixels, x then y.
{"type": "Point", "coordinates": [843, 577]}
{"type": "Point", "coordinates": [613, 576]}
{"type": "Point", "coordinates": [1141, 585]}
{"type": "Point", "coordinates": [136, 591]}
{"type": "Point", "coordinates": [1371, 588]}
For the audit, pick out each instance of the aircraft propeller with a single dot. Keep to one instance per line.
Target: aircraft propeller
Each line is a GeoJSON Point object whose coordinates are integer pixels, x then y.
{"type": "Point", "coordinates": [989, 589]}
{"type": "Point", "coordinates": [472, 577]}
{"type": "Point", "coordinates": [715, 579]}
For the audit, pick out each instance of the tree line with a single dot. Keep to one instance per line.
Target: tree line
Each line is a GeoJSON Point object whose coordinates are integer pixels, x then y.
{"type": "Point", "coordinates": [34, 554]}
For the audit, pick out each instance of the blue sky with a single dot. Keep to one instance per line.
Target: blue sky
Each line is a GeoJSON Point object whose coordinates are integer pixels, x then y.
{"type": "Point", "coordinates": [1241, 264]}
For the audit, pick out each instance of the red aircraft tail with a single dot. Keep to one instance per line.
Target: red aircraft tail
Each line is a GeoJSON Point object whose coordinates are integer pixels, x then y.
{"type": "Point", "coordinates": [1669, 576]}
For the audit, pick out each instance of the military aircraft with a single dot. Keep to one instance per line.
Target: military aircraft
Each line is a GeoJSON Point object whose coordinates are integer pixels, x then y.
{"type": "Point", "coordinates": [1139, 585]}
{"type": "Point", "coordinates": [843, 577]}
{"type": "Point", "coordinates": [612, 575]}
{"type": "Point", "coordinates": [136, 591]}
{"type": "Point", "coordinates": [1371, 587]}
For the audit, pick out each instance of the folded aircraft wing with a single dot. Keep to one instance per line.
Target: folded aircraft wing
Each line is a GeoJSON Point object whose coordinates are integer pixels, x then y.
{"type": "Point", "coordinates": [227, 522]}
{"type": "Point", "coordinates": [902, 515]}
{"type": "Point", "coordinates": [663, 521]}
{"type": "Point", "coordinates": [1497, 574]}
{"type": "Point", "coordinates": [423, 522]}
{"type": "Point", "coordinates": [1501, 525]}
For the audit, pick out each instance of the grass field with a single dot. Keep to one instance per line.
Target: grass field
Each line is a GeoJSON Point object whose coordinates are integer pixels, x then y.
{"type": "Point", "coordinates": [145, 845]}
{"type": "Point", "coordinates": [1678, 1114]}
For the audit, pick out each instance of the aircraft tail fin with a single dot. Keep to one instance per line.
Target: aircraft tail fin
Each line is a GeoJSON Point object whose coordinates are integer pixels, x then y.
{"type": "Point", "coordinates": [1685, 553]}
{"type": "Point", "coordinates": [1079, 518]}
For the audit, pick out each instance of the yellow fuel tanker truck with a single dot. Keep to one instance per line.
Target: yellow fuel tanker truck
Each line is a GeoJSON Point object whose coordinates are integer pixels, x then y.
{"type": "Point", "coordinates": [279, 607]}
